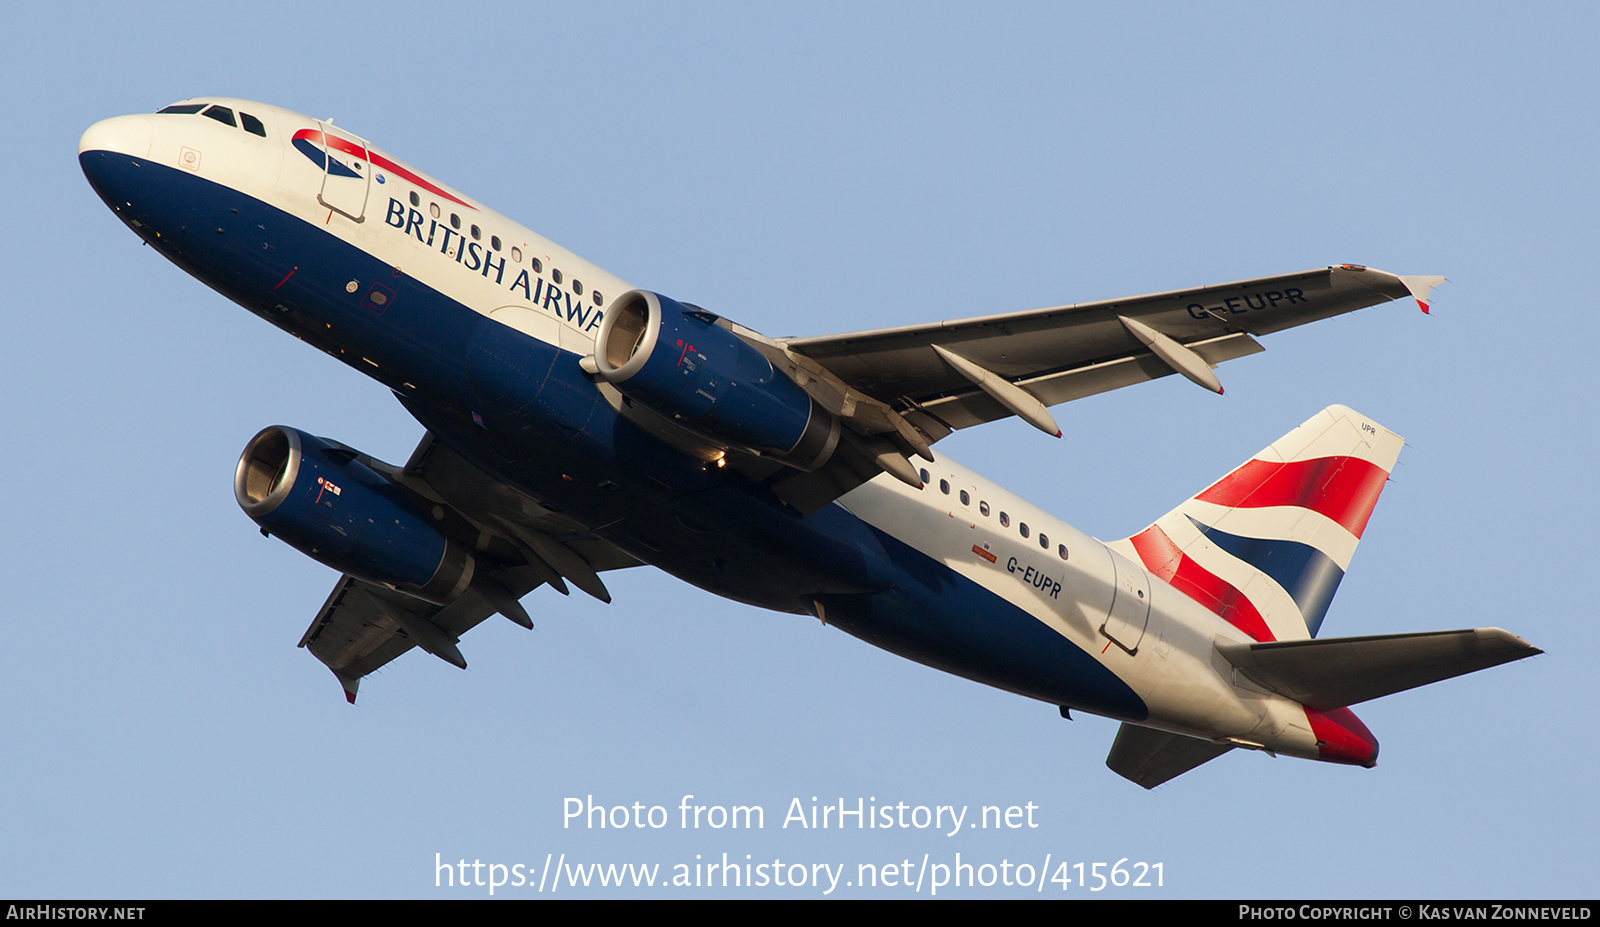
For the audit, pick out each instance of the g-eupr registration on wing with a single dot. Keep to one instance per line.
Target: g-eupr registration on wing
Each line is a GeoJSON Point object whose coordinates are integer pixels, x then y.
{"type": "Point", "coordinates": [575, 424]}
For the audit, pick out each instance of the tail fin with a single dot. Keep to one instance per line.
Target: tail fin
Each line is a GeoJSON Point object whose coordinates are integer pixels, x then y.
{"type": "Point", "coordinates": [1266, 546]}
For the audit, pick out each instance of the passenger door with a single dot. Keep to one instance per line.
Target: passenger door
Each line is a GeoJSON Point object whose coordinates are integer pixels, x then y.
{"type": "Point", "coordinates": [347, 175]}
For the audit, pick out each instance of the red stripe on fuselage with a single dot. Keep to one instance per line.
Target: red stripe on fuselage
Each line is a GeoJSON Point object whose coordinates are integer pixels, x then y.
{"type": "Point", "coordinates": [1343, 488]}
{"type": "Point", "coordinates": [1163, 558]}
{"type": "Point", "coordinates": [378, 160]}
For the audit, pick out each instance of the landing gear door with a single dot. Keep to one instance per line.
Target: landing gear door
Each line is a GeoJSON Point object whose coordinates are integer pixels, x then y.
{"type": "Point", "coordinates": [346, 176]}
{"type": "Point", "coordinates": [1130, 605]}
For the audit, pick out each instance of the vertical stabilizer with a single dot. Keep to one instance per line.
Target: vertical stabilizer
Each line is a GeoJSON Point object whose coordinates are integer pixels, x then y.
{"type": "Point", "coordinates": [1266, 546]}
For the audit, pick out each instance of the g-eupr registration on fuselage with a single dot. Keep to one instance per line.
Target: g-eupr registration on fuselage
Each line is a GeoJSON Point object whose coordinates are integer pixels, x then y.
{"type": "Point", "coordinates": [575, 425]}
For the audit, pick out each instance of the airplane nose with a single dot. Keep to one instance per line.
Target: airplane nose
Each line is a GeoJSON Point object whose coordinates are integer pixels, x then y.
{"type": "Point", "coordinates": [108, 150]}
{"type": "Point", "coordinates": [129, 135]}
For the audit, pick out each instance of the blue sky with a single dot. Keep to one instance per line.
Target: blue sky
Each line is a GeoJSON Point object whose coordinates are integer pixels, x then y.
{"type": "Point", "coordinates": [808, 169]}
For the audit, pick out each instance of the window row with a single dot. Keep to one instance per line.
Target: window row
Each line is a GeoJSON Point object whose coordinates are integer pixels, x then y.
{"type": "Point", "coordinates": [253, 125]}
{"type": "Point", "coordinates": [1005, 517]}
{"type": "Point", "coordinates": [516, 253]}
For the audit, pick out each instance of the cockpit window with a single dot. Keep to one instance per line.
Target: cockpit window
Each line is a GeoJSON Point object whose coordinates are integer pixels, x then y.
{"type": "Point", "coordinates": [221, 114]}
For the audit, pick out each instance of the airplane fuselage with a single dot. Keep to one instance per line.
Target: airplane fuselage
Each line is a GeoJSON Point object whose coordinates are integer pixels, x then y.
{"type": "Point", "coordinates": [480, 325]}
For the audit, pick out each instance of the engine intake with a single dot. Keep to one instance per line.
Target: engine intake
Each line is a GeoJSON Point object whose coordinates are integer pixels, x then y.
{"type": "Point", "coordinates": [328, 505]}
{"type": "Point", "coordinates": [685, 363]}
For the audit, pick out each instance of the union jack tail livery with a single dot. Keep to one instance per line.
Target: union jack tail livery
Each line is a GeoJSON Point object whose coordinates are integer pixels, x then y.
{"type": "Point", "coordinates": [1266, 546]}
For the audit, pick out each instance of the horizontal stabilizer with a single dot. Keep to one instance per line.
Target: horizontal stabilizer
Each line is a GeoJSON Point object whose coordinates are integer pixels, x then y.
{"type": "Point", "coordinates": [1340, 671]}
{"type": "Point", "coordinates": [1149, 757]}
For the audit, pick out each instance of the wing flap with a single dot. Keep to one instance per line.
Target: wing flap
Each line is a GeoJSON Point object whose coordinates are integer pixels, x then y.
{"type": "Point", "coordinates": [351, 633]}
{"type": "Point", "coordinates": [441, 474]}
{"type": "Point", "coordinates": [361, 627]}
{"type": "Point", "coordinates": [1340, 671]}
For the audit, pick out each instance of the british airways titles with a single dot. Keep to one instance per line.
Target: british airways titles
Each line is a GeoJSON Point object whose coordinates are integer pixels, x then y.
{"type": "Point", "coordinates": [475, 257]}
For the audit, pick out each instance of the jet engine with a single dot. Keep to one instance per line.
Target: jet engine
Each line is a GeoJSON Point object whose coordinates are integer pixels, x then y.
{"type": "Point", "coordinates": [324, 502]}
{"type": "Point", "coordinates": [685, 363]}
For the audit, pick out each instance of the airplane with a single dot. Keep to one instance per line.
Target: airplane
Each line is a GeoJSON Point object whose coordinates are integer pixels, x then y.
{"type": "Point", "coordinates": [575, 424]}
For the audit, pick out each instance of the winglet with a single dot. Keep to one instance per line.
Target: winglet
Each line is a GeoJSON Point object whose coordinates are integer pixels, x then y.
{"type": "Point", "coordinates": [1421, 287]}
{"type": "Point", "coordinates": [350, 683]}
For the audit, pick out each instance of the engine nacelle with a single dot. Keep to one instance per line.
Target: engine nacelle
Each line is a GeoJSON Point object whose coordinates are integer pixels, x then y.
{"type": "Point", "coordinates": [685, 364]}
{"type": "Point", "coordinates": [328, 505]}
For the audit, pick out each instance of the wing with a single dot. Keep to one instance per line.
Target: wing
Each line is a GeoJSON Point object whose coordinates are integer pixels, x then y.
{"type": "Point", "coordinates": [361, 627]}
{"type": "Point", "coordinates": [902, 389]}
{"type": "Point", "coordinates": [969, 371]}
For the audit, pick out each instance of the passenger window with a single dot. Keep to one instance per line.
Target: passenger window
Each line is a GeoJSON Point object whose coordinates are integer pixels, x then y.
{"type": "Point", "coordinates": [965, 499]}
{"type": "Point", "coordinates": [984, 508]}
{"type": "Point", "coordinates": [925, 477]}
{"type": "Point", "coordinates": [455, 222]}
{"type": "Point", "coordinates": [538, 265]}
{"type": "Point", "coordinates": [221, 114]}
{"type": "Point", "coordinates": [1044, 541]}
{"type": "Point", "coordinates": [494, 242]}
{"type": "Point", "coordinates": [1023, 527]}
{"type": "Point", "coordinates": [182, 109]}
{"type": "Point", "coordinates": [476, 234]}
{"type": "Point", "coordinates": [598, 299]}
{"type": "Point", "coordinates": [944, 487]}
{"type": "Point", "coordinates": [415, 199]}
{"type": "Point", "coordinates": [433, 210]}
{"type": "Point", "coordinates": [516, 255]}
{"type": "Point", "coordinates": [253, 125]}
{"type": "Point", "coordinates": [555, 275]}
{"type": "Point", "coordinates": [1062, 550]}
{"type": "Point", "coordinates": [1005, 520]}
{"type": "Point", "coordinates": [577, 287]}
